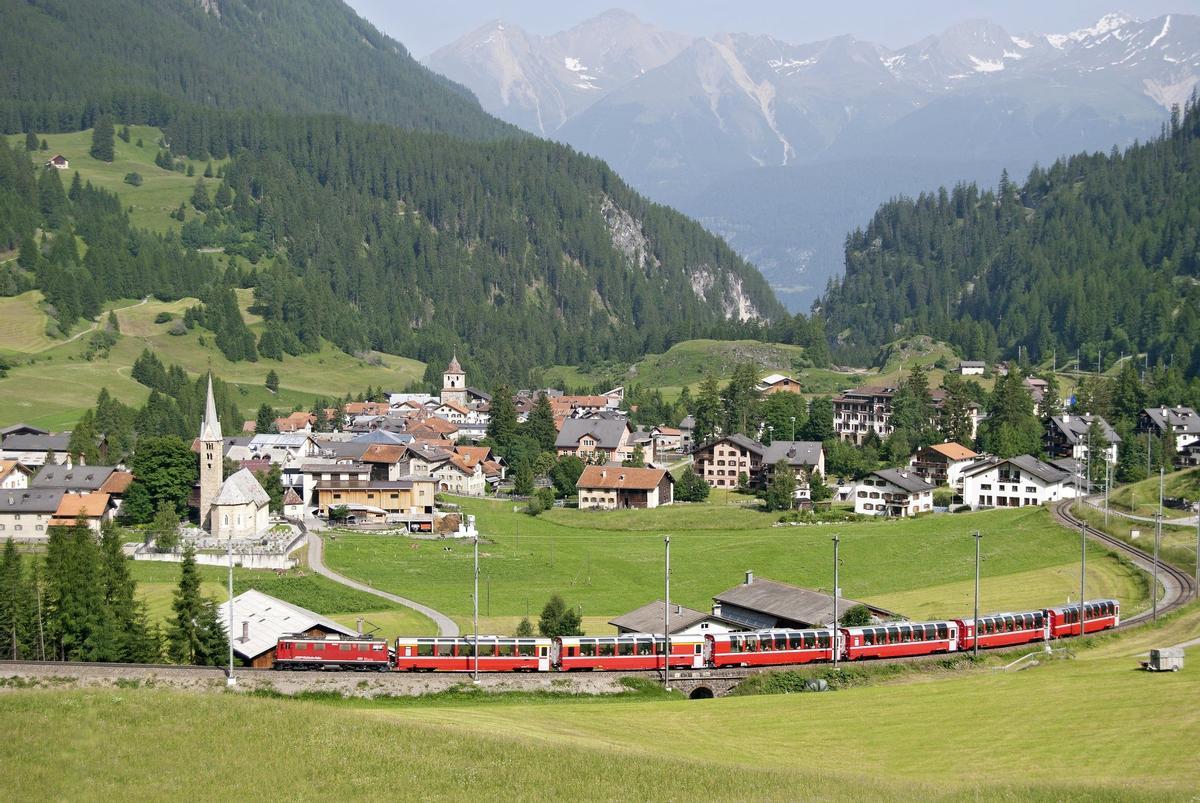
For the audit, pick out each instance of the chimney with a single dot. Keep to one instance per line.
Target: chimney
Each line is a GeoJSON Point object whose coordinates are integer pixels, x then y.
{"type": "Point", "coordinates": [1066, 417]}
{"type": "Point", "coordinates": [678, 610]}
{"type": "Point", "coordinates": [603, 473]}
{"type": "Point", "coordinates": [749, 577]}
{"type": "Point", "coordinates": [245, 630]}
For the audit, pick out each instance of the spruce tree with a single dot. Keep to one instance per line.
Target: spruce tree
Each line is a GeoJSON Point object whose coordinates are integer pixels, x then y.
{"type": "Point", "coordinates": [502, 425]}
{"type": "Point", "coordinates": [31, 141]}
{"type": "Point", "coordinates": [200, 200]}
{"type": "Point", "coordinates": [707, 410]}
{"type": "Point", "coordinates": [164, 528]}
{"type": "Point", "coordinates": [74, 595]}
{"type": "Point", "coordinates": [272, 381]}
{"type": "Point", "coordinates": [540, 425]}
{"type": "Point", "coordinates": [782, 490]}
{"type": "Point", "coordinates": [184, 639]}
{"type": "Point", "coordinates": [14, 613]}
{"type": "Point", "coordinates": [264, 422]}
{"type": "Point", "coordinates": [102, 139]}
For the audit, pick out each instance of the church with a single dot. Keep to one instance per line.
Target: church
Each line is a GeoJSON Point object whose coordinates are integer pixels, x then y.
{"type": "Point", "coordinates": [236, 507]}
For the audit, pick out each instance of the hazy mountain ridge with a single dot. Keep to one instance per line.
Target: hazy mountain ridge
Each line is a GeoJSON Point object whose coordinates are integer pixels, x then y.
{"type": "Point", "coordinates": [723, 108]}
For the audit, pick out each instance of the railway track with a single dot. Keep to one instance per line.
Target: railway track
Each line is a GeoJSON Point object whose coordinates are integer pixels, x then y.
{"type": "Point", "coordinates": [1179, 587]}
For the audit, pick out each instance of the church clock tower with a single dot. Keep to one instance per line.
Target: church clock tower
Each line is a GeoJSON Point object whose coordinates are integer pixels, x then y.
{"type": "Point", "coordinates": [454, 383]}
{"type": "Point", "coordinates": [212, 454]}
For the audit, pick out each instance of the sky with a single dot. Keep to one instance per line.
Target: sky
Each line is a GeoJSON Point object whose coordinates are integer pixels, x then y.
{"type": "Point", "coordinates": [424, 27]}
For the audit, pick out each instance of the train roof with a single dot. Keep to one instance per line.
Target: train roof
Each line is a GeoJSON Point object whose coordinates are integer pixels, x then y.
{"type": "Point", "coordinates": [901, 624]}
{"type": "Point", "coordinates": [1072, 606]}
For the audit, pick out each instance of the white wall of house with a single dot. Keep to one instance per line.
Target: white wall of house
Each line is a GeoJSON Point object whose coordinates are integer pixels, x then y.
{"type": "Point", "coordinates": [24, 526]}
{"type": "Point", "coordinates": [878, 497]}
{"type": "Point", "coordinates": [985, 489]}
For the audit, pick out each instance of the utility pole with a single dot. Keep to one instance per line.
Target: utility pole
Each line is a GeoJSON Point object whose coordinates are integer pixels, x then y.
{"type": "Point", "coordinates": [793, 429]}
{"type": "Point", "coordinates": [230, 680]}
{"type": "Point", "coordinates": [667, 614]}
{"type": "Point", "coordinates": [1107, 483]}
{"type": "Point", "coordinates": [1157, 537]}
{"type": "Point", "coordinates": [1082, 570]}
{"type": "Point", "coordinates": [975, 650]}
{"type": "Point", "coordinates": [475, 605]}
{"type": "Point", "coordinates": [836, 590]}
{"type": "Point", "coordinates": [1197, 548]}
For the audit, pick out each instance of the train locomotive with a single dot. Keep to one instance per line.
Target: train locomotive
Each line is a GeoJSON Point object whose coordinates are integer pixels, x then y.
{"type": "Point", "coordinates": [645, 651]}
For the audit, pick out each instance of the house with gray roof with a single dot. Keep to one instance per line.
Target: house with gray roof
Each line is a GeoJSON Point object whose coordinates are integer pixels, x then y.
{"type": "Point", "coordinates": [721, 461]}
{"type": "Point", "coordinates": [1017, 481]}
{"type": "Point", "coordinates": [684, 621]}
{"type": "Point", "coordinates": [77, 479]}
{"type": "Point", "coordinates": [1067, 436]}
{"type": "Point", "coordinates": [260, 620]}
{"type": "Point", "coordinates": [37, 449]}
{"type": "Point", "coordinates": [1180, 422]}
{"type": "Point", "coordinates": [607, 438]}
{"type": "Point", "coordinates": [893, 492]}
{"type": "Point", "coordinates": [759, 603]}
{"type": "Point", "coordinates": [25, 513]}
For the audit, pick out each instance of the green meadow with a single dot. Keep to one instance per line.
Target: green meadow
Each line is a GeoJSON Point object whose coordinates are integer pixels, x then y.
{"type": "Point", "coordinates": [608, 563]}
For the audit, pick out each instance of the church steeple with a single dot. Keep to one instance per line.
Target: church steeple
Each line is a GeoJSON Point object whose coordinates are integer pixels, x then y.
{"type": "Point", "coordinates": [454, 383]}
{"type": "Point", "coordinates": [210, 427]}
{"type": "Point", "coordinates": [212, 456]}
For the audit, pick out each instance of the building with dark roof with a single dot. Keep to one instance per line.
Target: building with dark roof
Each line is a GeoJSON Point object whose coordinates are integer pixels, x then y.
{"type": "Point", "coordinates": [37, 449]}
{"type": "Point", "coordinates": [893, 492]}
{"type": "Point", "coordinates": [25, 514]}
{"type": "Point", "coordinates": [1016, 482]}
{"type": "Point", "coordinates": [589, 437]}
{"type": "Point", "coordinates": [1067, 436]}
{"type": "Point", "coordinates": [758, 603]}
{"type": "Point", "coordinates": [77, 479]}
{"type": "Point", "coordinates": [1181, 423]}
{"type": "Point", "coordinates": [684, 621]}
{"type": "Point", "coordinates": [720, 462]}
{"type": "Point", "coordinates": [259, 620]}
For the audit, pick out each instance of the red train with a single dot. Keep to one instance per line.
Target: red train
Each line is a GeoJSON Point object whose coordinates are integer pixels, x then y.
{"type": "Point", "coordinates": [645, 650]}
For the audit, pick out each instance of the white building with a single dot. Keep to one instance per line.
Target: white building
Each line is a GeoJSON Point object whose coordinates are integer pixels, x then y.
{"type": "Point", "coordinates": [241, 508]}
{"type": "Point", "coordinates": [893, 492]}
{"type": "Point", "coordinates": [1015, 482]}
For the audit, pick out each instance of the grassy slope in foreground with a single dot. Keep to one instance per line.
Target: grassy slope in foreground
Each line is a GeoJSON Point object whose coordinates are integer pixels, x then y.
{"type": "Point", "coordinates": [611, 563]}
{"type": "Point", "coordinates": [1061, 731]}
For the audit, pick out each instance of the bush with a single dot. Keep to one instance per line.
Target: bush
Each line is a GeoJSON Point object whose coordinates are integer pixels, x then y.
{"type": "Point", "coordinates": [943, 496]}
{"type": "Point", "coordinates": [133, 179]}
{"type": "Point", "coordinates": [178, 328]}
{"type": "Point", "coordinates": [857, 616]}
{"type": "Point", "coordinates": [163, 317]}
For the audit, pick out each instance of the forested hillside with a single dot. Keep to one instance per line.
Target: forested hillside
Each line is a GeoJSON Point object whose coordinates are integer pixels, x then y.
{"type": "Point", "coordinates": [65, 62]}
{"type": "Point", "coordinates": [512, 251]}
{"type": "Point", "coordinates": [1094, 254]}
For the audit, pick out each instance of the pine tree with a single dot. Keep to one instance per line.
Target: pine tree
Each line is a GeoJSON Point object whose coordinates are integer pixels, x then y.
{"type": "Point", "coordinates": [31, 141]}
{"type": "Point", "coordinates": [502, 425]}
{"type": "Point", "coordinates": [540, 424]}
{"type": "Point", "coordinates": [912, 412]}
{"type": "Point", "coordinates": [73, 592]}
{"type": "Point", "coordinates": [272, 381]}
{"type": "Point", "coordinates": [200, 200]}
{"type": "Point", "coordinates": [102, 139]}
{"type": "Point", "coordinates": [14, 613]}
{"type": "Point", "coordinates": [83, 440]}
{"type": "Point", "coordinates": [125, 134]}
{"type": "Point", "coordinates": [164, 528]}
{"type": "Point", "coordinates": [523, 479]}
{"type": "Point", "coordinates": [707, 410]}
{"type": "Point", "coordinates": [782, 490]}
{"type": "Point", "coordinates": [264, 422]}
{"type": "Point", "coordinates": [185, 641]}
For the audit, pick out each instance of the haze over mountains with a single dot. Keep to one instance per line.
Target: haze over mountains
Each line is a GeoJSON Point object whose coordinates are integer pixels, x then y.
{"type": "Point", "coordinates": [784, 148]}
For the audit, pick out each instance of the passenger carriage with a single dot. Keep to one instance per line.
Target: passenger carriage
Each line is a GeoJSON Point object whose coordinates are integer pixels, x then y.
{"type": "Point", "coordinates": [1003, 629]}
{"type": "Point", "coordinates": [307, 652]}
{"type": "Point", "coordinates": [899, 639]}
{"type": "Point", "coordinates": [1097, 615]}
{"type": "Point", "coordinates": [640, 651]}
{"type": "Point", "coordinates": [767, 647]}
{"type": "Point", "coordinates": [496, 654]}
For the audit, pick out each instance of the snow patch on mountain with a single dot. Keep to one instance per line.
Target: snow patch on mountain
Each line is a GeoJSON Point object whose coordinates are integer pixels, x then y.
{"type": "Point", "coordinates": [1024, 44]}
{"type": "Point", "coordinates": [982, 65]}
{"type": "Point", "coordinates": [583, 80]}
{"type": "Point", "coordinates": [763, 94]}
{"type": "Point", "coordinates": [786, 67]}
{"type": "Point", "coordinates": [1166, 27]}
{"type": "Point", "coordinates": [1109, 24]}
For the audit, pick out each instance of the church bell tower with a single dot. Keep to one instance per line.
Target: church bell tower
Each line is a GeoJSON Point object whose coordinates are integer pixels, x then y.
{"type": "Point", "coordinates": [212, 455]}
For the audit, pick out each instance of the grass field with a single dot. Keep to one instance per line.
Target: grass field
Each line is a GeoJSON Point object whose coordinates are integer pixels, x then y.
{"type": "Point", "coordinates": [1177, 545]}
{"type": "Point", "coordinates": [161, 191]}
{"type": "Point", "coordinates": [157, 583]}
{"type": "Point", "coordinates": [68, 384]}
{"type": "Point", "coordinates": [1086, 729]}
{"type": "Point", "coordinates": [611, 562]}
{"type": "Point", "coordinates": [1141, 498]}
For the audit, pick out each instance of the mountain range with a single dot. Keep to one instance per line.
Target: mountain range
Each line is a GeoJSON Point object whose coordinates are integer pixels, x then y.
{"type": "Point", "coordinates": [783, 148]}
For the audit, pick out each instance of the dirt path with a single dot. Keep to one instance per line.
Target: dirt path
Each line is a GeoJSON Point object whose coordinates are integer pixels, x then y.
{"type": "Point", "coordinates": [94, 326]}
{"type": "Point", "coordinates": [316, 546]}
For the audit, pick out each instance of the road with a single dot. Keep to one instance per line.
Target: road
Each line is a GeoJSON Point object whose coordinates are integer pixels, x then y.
{"type": "Point", "coordinates": [316, 562]}
{"type": "Point", "coordinates": [1097, 502]}
{"type": "Point", "coordinates": [103, 319]}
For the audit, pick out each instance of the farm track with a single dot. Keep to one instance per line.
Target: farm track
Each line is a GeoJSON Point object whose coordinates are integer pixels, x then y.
{"type": "Point", "coordinates": [1179, 587]}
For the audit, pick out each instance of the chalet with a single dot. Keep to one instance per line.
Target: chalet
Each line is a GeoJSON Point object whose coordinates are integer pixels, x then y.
{"type": "Point", "coordinates": [93, 508]}
{"type": "Point", "coordinates": [455, 475]}
{"type": "Point", "coordinates": [777, 383]}
{"type": "Point", "coordinates": [282, 449]}
{"type": "Point", "coordinates": [59, 162]}
{"type": "Point", "coordinates": [453, 412]}
{"type": "Point", "coordinates": [893, 492]}
{"type": "Point", "coordinates": [942, 463]}
{"type": "Point", "coordinates": [260, 620]}
{"type": "Point", "coordinates": [13, 475]}
{"type": "Point", "coordinates": [580, 406]}
{"type": "Point", "coordinates": [385, 460]}
{"type": "Point", "coordinates": [367, 408]}
{"type": "Point", "coordinates": [687, 428]}
{"type": "Point", "coordinates": [1181, 422]}
{"type": "Point", "coordinates": [298, 421]}
{"type": "Point", "coordinates": [972, 368]}
{"type": "Point", "coordinates": [20, 429]}
{"type": "Point", "coordinates": [721, 461]}
{"type": "Point", "coordinates": [651, 617]}
{"type": "Point", "coordinates": [75, 479]}
{"type": "Point", "coordinates": [25, 514]}
{"type": "Point", "coordinates": [667, 439]}
{"type": "Point", "coordinates": [316, 472]}
{"type": "Point", "coordinates": [1067, 436]}
{"type": "Point", "coordinates": [423, 458]}
{"type": "Point", "coordinates": [644, 439]}
{"type": "Point", "coordinates": [1015, 482]}
{"type": "Point", "coordinates": [617, 487]}
{"type": "Point", "coordinates": [758, 603]}
{"type": "Point", "coordinates": [1037, 391]}
{"type": "Point", "coordinates": [409, 499]}
{"type": "Point", "coordinates": [603, 439]}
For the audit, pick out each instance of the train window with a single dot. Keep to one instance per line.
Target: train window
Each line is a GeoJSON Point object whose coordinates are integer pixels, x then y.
{"type": "Point", "coordinates": [587, 648]}
{"type": "Point", "coordinates": [527, 649]}
{"type": "Point", "coordinates": [735, 644]}
{"type": "Point", "coordinates": [893, 635]}
{"type": "Point", "coordinates": [751, 644]}
{"type": "Point", "coordinates": [625, 648]}
{"type": "Point", "coordinates": [781, 642]}
{"type": "Point", "coordinates": [607, 649]}
{"type": "Point", "coordinates": [646, 647]}
{"type": "Point", "coordinates": [823, 639]}
{"type": "Point", "coordinates": [425, 648]}
{"type": "Point", "coordinates": [810, 640]}
{"type": "Point", "coordinates": [506, 649]}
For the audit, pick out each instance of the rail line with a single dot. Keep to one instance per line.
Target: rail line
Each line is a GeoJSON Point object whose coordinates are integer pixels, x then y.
{"type": "Point", "coordinates": [1179, 587]}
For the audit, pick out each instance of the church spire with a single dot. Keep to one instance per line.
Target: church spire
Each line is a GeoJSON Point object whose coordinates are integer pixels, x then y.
{"type": "Point", "coordinates": [210, 427]}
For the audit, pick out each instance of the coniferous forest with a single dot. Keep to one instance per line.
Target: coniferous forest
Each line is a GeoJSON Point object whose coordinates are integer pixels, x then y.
{"type": "Point", "coordinates": [1093, 256]}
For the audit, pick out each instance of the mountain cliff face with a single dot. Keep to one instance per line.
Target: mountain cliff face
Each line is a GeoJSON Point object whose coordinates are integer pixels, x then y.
{"type": "Point", "coordinates": [730, 123]}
